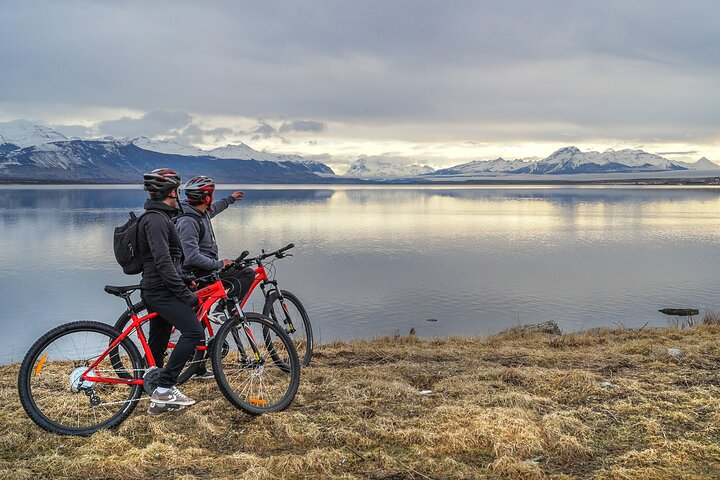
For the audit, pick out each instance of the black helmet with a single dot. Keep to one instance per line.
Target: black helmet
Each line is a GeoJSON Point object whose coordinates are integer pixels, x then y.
{"type": "Point", "coordinates": [160, 182]}
{"type": "Point", "coordinates": [199, 188]}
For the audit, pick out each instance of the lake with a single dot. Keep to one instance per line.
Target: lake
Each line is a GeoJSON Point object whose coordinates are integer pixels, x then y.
{"type": "Point", "coordinates": [378, 260]}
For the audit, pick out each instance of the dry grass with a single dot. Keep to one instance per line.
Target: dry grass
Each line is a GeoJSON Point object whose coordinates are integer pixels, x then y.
{"type": "Point", "coordinates": [530, 407]}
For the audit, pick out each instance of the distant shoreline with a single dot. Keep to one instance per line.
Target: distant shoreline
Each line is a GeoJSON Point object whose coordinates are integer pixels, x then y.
{"type": "Point", "coordinates": [710, 181]}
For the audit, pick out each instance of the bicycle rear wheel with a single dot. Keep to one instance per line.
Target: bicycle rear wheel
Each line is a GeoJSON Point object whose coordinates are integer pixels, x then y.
{"type": "Point", "coordinates": [291, 315]}
{"type": "Point", "coordinates": [55, 396]}
{"type": "Point", "coordinates": [191, 367]}
{"type": "Point", "coordinates": [245, 369]}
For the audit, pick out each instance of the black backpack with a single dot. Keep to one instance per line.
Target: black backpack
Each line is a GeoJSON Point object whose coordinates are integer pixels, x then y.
{"type": "Point", "coordinates": [125, 245]}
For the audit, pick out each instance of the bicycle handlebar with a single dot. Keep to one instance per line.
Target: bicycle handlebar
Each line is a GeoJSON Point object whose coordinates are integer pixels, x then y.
{"type": "Point", "coordinates": [278, 252]}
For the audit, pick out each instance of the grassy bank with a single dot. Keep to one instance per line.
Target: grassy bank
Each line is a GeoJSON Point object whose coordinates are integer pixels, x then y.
{"type": "Point", "coordinates": [503, 407]}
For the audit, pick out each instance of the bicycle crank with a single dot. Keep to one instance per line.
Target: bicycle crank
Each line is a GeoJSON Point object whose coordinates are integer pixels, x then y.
{"type": "Point", "coordinates": [150, 379]}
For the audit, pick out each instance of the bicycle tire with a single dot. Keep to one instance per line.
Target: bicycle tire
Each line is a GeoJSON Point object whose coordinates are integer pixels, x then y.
{"type": "Point", "coordinates": [302, 337]}
{"type": "Point", "coordinates": [191, 367]}
{"type": "Point", "coordinates": [272, 394]}
{"type": "Point", "coordinates": [33, 362]}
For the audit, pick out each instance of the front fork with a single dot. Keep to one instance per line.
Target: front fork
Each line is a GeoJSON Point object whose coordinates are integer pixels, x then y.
{"type": "Point", "coordinates": [286, 314]}
{"type": "Point", "coordinates": [233, 307]}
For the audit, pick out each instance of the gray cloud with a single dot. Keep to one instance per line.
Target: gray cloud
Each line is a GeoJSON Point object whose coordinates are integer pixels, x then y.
{"type": "Point", "coordinates": [687, 152]}
{"type": "Point", "coordinates": [302, 126]}
{"type": "Point", "coordinates": [74, 130]}
{"type": "Point", "coordinates": [153, 123]}
{"type": "Point", "coordinates": [522, 70]}
{"type": "Point", "coordinates": [266, 130]}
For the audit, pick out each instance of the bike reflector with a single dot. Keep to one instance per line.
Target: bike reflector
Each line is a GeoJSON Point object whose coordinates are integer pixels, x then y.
{"type": "Point", "coordinates": [40, 364]}
{"type": "Point", "coordinates": [257, 401]}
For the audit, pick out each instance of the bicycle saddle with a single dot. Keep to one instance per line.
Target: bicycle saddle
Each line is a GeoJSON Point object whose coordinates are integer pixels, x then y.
{"type": "Point", "coordinates": [118, 291]}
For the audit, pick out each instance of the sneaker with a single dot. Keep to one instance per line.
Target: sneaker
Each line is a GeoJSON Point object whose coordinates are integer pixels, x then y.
{"type": "Point", "coordinates": [173, 397]}
{"type": "Point", "coordinates": [158, 408]}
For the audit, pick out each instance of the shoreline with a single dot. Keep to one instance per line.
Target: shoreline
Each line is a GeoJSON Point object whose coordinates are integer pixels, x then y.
{"type": "Point", "coordinates": [601, 404]}
{"type": "Point", "coordinates": [641, 182]}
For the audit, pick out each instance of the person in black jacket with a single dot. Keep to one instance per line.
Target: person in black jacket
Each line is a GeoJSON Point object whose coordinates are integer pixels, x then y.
{"type": "Point", "coordinates": [163, 288]}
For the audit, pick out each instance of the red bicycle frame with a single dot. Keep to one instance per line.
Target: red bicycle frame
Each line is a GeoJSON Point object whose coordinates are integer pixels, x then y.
{"type": "Point", "coordinates": [207, 297]}
{"type": "Point", "coordinates": [260, 277]}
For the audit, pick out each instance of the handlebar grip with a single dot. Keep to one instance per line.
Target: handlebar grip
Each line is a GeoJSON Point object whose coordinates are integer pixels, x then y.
{"type": "Point", "coordinates": [242, 256]}
{"type": "Point", "coordinates": [287, 247]}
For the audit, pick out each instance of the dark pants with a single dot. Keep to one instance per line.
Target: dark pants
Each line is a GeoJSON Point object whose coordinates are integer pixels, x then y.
{"type": "Point", "coordinates": [171, 313]}
{"type": "Point", "coordinates": [238, 282]}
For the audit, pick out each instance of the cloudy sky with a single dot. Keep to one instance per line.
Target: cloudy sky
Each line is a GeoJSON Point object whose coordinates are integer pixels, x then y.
{"type": "Point", "coordinates": [438, 82]}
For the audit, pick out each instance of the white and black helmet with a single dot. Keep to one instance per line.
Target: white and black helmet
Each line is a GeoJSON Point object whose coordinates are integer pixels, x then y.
{"type": "Point", "coordinates": [196, 188]}
{"type": "Point", "coordinates": [161, 181]}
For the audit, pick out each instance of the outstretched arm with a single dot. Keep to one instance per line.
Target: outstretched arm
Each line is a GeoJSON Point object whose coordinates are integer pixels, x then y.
{"type": "Point", "coordinates": [224, 203]}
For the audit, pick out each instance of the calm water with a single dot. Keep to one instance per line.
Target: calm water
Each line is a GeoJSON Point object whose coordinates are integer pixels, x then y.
{"type": "Point", "coordinates": [370, 261]}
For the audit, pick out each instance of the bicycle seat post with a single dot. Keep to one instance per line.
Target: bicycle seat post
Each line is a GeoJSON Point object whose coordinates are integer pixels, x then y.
{"type": "Point", "coordinates": [126, 297]}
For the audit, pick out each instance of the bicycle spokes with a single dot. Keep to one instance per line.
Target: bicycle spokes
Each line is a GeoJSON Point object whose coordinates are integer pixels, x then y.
{"type": "Point", "coordinates": [68, 393]}
{"type": "Point", "coordinates": [256, 365]}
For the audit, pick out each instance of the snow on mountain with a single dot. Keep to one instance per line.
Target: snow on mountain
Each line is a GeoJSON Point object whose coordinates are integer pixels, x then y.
{"type": "Point", "coordinates": [241, 152]}
{"type": "Point", "coordinates": [27, 134]}
{"type": "Point", "coordinates": [572, 160]}
{"type": "Point", "coordinates": [228, 152]}
{"type": "Point", "coordinates": [702, 164]}
{"type": "Point", "coordinates": [167, 146]}
{"type": "Point", "coordinates": [386, 167]}
{"type": "Point", "coordinates": [499, 165]}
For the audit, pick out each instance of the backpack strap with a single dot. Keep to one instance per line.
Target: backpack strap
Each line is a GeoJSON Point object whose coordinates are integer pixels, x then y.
{"type": "Point", "coordinates": [194, 217]}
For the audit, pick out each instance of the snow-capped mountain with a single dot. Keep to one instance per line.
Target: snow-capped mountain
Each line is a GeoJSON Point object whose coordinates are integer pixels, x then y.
{"type": "Point", "coordinates": [167, 146]}
{"type": "Point", "coordinates": [386, 167]}
{"type": "Point", "coordinates": [113, 161]}
{"type": "Point", "coordinates": [570, 160]}
{"type": "Point", "coordinates": [30, 151]}
{"type": "Point", "coordinates": [702, 164]}
{"type": "Point", "coordinates": [23, 133]}
{"type": "Point", "coordinates": [499, 165]}
{"type": "Point", "coordinates": [240, 151]}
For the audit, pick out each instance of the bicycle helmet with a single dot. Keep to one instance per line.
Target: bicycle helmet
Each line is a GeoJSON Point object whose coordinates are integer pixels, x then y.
{"type": "Point", "coordinates": [200, 190]}
{"type": "Point", "coordinates": [160, 182]}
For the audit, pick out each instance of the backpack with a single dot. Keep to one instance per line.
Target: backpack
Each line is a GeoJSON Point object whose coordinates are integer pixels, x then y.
{"type": "Point", "coordinates": [125, 245]}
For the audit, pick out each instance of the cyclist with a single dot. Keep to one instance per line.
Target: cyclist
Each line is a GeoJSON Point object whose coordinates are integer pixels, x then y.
{"type": "Point", "coordinates": [164, 290]}
{"type": "Point", "coordinates": [198, 239]}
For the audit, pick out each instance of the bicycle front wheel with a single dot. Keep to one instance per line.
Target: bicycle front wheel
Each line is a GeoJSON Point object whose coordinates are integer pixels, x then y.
{"type": "Point", "coordinates": [57, 398]}
{"type": "Point", "coordinates": [291, 315]}
{"type": "Point", "coordinates": [245, 367]}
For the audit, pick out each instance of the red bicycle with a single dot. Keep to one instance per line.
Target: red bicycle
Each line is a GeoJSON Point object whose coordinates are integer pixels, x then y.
{"type": "Point", "coordinates": [281, 306]}
{"type": "Point", "coordinates": [84, 376]}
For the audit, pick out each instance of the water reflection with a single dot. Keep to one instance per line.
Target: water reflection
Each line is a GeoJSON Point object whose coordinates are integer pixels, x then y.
{"type": "Point", "coordinates": [371, 261]}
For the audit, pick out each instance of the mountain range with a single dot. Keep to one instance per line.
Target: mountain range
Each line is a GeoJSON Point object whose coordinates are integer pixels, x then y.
{"type": "Point", "coordinates": [570, 160]}
{"type": "Point", "coordinates": [30, 152]}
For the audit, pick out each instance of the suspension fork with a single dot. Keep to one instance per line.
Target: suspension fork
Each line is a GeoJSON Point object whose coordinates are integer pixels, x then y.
{"type": "Point", "coordinates": [248, 334]}
{"type": "Point", "coordinates": [287, 320]}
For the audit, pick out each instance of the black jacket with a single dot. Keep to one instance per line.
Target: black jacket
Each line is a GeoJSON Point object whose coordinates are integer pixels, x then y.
{"type": "Point", "coordinates": [161, 252]}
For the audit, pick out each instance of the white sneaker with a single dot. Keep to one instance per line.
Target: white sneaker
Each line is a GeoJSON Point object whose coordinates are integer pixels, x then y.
{"type": "Point", "coordinates": [172, 397]}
